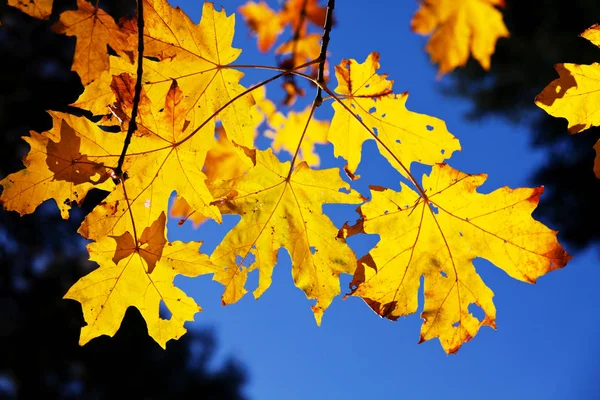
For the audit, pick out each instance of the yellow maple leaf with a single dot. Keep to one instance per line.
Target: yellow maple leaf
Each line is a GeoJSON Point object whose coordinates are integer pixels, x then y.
{"type": "Point", "coordinates": [95, 30]}
{"type": "Point", "coordinates": [40, 9]}
{"type": "Point", "coordinates": [459, 28]}
{"type": "Point", "coordinates": [284, 211]}
{"type": "Point", "coordinates": [223, 162]}
{"type": "Point", "coordinates": [438, 237]}
{"type": "Point", "coordinates": [63, 164]}
{"type": "Point", "coordinates": [370, 111]}
{"type": "Point", "coordinates": [139, 273]}
{"type": "Point", "coordinates": [263, 21]}
{"type": "Point", "coordinates": [165, 155]}
{"type": "Point", "coordinates": [196, 55]}
{"type": "Point", "coordinates": [287, 133]}
{"type": "Point", "coordinates": [575, 95]}
{"type": "Point", "coordinates": [592, 34]}
{"type": "Point", "coordinates": [97, 95]}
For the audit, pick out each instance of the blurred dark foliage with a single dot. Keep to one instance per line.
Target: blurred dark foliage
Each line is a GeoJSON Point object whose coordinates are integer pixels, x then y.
{"type": "Point", "coordinates": [543, 34]}
{"type": "Point", "coordinates": [41, 256]}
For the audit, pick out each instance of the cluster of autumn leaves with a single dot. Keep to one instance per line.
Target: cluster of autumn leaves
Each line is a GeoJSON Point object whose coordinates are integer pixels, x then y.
{"type": "Point", "coordinates": [434, 227]}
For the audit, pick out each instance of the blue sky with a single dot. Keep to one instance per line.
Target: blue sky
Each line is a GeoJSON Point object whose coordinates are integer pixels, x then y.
{"type": "Point", "coordinates": [546, 343]}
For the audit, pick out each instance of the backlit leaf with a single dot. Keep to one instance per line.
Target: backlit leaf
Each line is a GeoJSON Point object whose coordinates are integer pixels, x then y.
{"type": "Point", "coordinates": [63, 164]}
{"type": "Point", "coordinates": [370, 105]}
{"type": "Point", "coordinates": [437, 238]}
{"type": "Point", "coordinates": [459, 28]}
{"type": "Point", "coordinates": [139, 273]}
{"type": "Point", "coordinates": [276, 212]}
{"type": "Point", "coordinates": [575, 95]}
{"type": "Point", "coordinates": [95, 30]}
{"type": "Point", "coordinates": [40, 9]}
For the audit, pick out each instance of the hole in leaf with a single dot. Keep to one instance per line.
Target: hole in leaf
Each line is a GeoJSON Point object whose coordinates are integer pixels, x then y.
{"type": "Point", "coordinates": [110, 51]}
{"type": "Point", "coordinates": [398, 141]}
{"type": "Point", "coordinates": [164, 311]}
{"type": "Point", "coordinates": [443, 151]}
{"type": "Point", "coordinates": [110, 129]}
{"type": "Point", "coordinates": [456, 324]}
{"type": "Point", "coordinates": [476, 311]}
{"type": "Point", "coordinates": [445, 275]}
{"type": "Point", "coordinates": [313, 249]}
{"type": "Point", "coordinates": [434, 208]}
{"type": "Point", "coordinates": [460, 233]}
{"type": "Point", "coordinates": [372, 110]}
{"type": "Point", "coordinates": [375, 132]}
{"type": "Point", "coordinates": [245, 261]}
{"type": "Point", "coordinates": [383, 115]}
{"type": "Point", "coordinates": [429, 128]}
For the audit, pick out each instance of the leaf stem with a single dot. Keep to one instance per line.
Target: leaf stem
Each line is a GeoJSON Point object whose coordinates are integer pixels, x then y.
{"type": "Point", "coordinates": [312, 111]}
{"type": "Point", "coordinates": [138, 91]}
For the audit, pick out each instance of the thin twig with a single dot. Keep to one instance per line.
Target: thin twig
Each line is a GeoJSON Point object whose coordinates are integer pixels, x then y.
{"type": "Point", "coordinates": [138, 92]}
{"type": "Point", "coordinates": [323, 53]}
{"type": "Point", "coordinates": [320, 79]}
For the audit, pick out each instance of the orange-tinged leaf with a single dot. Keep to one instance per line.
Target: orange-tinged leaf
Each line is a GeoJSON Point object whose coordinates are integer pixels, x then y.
{"type": "Point", "coordinates": [292, 12]}
{"type": "Point", "coordinates": [95, 30]}
{"type": "Point", "coordinates": [460, 28]}
{"type": "Point", "coordinates": [279, 212]}
{"type": "Point", "coordinates": [165, 155]}
{"type": "Point", "coordinates": [263, 21]}
{"type": "Point", "coordinates": [40, 9]}
{"type": "Point", "coordinates": [64, 164]}
{"type": "Point", "coordinates": [139, 274]}
{"type": "Point", "coordinates": [592, 34]}
{"type": "Point", "coordinates": [196, 55]}
{"type": "Point", "coordinates": [438, 238]}
{"type": "Point", "coordinates": [287, 132]}
{"type": "Point", "coordinates": [403, 136]}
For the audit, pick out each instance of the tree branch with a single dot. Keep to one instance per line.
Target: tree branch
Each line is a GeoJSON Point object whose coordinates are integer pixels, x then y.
{"type": "Point", "coordinates": [136, 97]}
{"type": "Point", "coordinates": [323, 53]}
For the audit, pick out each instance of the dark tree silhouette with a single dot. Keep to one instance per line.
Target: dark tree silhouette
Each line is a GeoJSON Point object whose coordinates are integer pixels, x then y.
{"type": "Point", "coordinates": [544, 34]}
{"type": "Point", "coordinates": [41, 256]}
